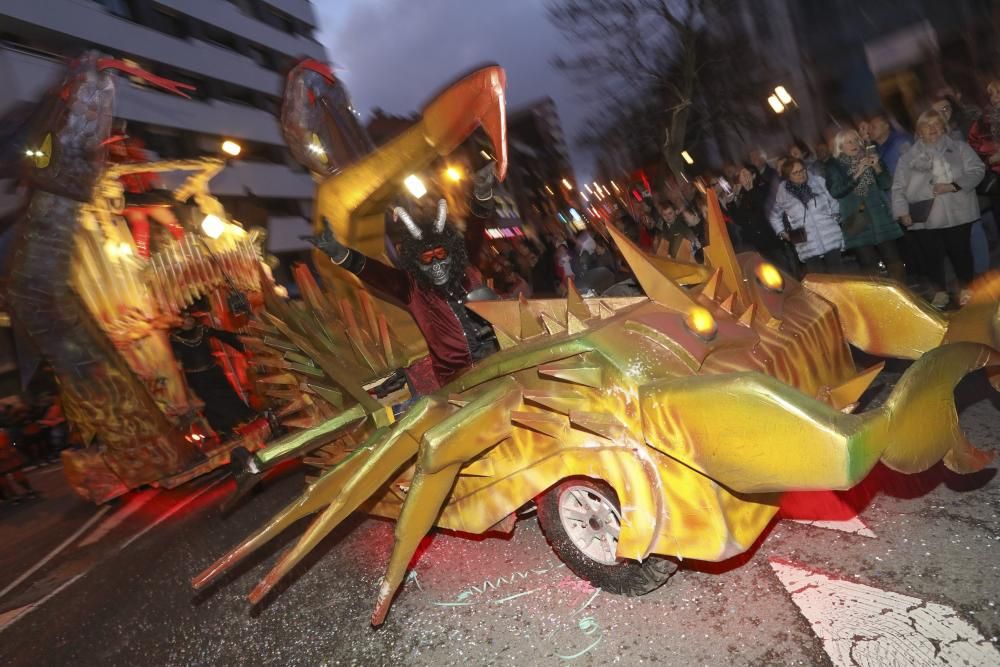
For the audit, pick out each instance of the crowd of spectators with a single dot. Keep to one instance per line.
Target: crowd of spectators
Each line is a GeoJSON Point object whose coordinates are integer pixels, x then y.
{"type": "Point", "coordinates": [870, 199]}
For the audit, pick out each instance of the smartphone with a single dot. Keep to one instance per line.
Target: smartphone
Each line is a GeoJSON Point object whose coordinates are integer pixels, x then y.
{"type": "Point", "coordinates": [871, 149]}
{"type": "Point", "coordinates": [726, 187]}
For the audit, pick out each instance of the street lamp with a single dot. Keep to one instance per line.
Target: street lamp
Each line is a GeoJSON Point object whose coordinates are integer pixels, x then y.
{"type": "Point", "coordinates": [783, 95]}
{"type": "Point", "coordinates": [687, 157]}
{"type": "Point", "coordinates": [231, 148]}
{"type": "Point", "coordinates": [776, 105]}
{"type": "Point", "coordinates": [567, 184]}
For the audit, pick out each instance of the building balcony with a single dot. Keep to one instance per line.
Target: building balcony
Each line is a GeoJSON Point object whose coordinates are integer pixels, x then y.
{"type": "Point", "coordinates": [226, 16]}
{"type": "Point", "coordinates": [28, 76]}
{"type": "Point", "coordinates": [87, 22]}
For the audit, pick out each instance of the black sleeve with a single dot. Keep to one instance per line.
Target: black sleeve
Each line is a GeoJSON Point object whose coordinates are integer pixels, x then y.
{"type": "Point", "coordinates": [227, 337]}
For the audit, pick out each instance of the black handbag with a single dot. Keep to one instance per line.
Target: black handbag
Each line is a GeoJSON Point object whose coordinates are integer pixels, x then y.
{"type": "Point", "coordinates": [920, 211]}
{"type": "Point", "coordinates": [988, 187]}
{"type": "Point", "coordinates": [796, 235]}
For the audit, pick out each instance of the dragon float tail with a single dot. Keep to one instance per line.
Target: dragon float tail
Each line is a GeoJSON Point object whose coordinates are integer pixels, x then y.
{"type": "Point", "coordinates": [776, 439]}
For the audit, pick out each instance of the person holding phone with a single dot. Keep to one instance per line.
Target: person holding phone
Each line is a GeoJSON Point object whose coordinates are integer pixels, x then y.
{"type": "Point", "coordinates": [859, 180]}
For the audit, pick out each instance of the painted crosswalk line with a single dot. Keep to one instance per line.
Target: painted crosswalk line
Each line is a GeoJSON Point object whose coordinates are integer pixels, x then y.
{"type": "Point", "coordinates": [863, 625]}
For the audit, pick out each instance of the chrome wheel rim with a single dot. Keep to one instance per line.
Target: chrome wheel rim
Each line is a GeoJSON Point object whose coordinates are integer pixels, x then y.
{"type": "Point", "coordinates": [592, 522]}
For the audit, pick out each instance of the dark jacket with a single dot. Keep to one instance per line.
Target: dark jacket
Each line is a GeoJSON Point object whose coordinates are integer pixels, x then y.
{"type": "Point", "coordinates": [875, 205]}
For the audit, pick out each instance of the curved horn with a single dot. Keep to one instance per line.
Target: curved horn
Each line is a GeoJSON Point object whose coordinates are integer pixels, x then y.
{"type": "Point", "coordinates": [399, 213]}
{"type": "Point", "coordinates": [441, 216]}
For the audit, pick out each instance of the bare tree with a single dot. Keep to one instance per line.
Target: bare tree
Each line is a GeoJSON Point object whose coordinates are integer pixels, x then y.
{"type": "Point", "coordinates": [653, 67]}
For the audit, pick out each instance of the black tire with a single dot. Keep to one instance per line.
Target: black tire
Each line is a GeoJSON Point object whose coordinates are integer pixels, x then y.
{"type": "Point", "coordinates": [626, 577]}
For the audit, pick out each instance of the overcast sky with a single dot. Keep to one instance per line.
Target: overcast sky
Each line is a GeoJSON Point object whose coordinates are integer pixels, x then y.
{"type": "Point", "coordinates": [395, 53]}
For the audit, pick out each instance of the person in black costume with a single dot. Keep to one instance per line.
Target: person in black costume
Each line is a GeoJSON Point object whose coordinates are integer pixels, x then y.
{"type": "Point", "coordinates": [224, 409]}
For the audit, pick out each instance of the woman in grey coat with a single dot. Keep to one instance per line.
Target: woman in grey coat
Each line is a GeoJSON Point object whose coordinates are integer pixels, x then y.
{"type": "Point", "coordinates": [934, 195]}
{"type": "Point", "coordinates": [802, 202]}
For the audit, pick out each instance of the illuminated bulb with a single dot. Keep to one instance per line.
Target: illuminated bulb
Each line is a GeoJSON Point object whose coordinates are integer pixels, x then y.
{"type": "Point", "coordinates": [124, 249]}
{"type": "Point", "coordinates": [701, 323]}
{"type": "Point", "coordinates": [212, 226]}
{"type": "Point", "coordinates": [687, 157]}
{"type": "Point", "coordinates": [29, 153]}
{"type": "Point", "coordinates": [549, 190]}
{"type": "Point", "coordinates": [415, 186]}
{"type": "Point", "coordinates": [615, 186]}
{"type": "Point", "coordinates": [783, 95]}
{"type": "Point", "coordinates": [453, 174]}
{"type": "Point", "coordinates": [567, 184]}
{"type": "Point", "coordinates": [770, 277]}
{"type": "Point", "coordinates": [776, 104]}
{"type": "Point", "coordinates": [231, 148]}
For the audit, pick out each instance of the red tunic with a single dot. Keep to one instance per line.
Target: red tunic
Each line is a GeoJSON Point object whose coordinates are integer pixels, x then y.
{"type": "Point", "coordinates": [435, 317]}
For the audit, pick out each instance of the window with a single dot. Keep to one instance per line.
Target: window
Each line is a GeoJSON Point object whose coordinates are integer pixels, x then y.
{"type": "Point", "coordinates": [120, 8]}
{"type": "Point", "coordinates": [220, 37]}
{"type": "Point", "coordinates": [169, 22]}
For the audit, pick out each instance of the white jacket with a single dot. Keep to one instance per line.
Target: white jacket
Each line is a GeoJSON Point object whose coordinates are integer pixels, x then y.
{"type": "Point", "coordinates": [918, 171]}
{"type": "Point", "coordinates": [820, 219]}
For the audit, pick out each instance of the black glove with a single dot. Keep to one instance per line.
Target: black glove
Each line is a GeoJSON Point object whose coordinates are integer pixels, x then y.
{"type": "Point", "coordinates": [394, 382]}
{"type": "Point", "coordinates": [328, 243]}
{"type": "Point", "coordinates": [483, 181]}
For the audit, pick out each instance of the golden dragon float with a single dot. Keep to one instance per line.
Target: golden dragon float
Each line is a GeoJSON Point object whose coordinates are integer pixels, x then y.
{"type": "Point", "coordinates": [97, 305]}
{"type": "Point", "coordinates": [646, 429]}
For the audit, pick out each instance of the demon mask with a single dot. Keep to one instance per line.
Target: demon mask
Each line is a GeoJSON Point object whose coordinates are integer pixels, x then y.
{"type": "Point", "coordinates": [434, 254]}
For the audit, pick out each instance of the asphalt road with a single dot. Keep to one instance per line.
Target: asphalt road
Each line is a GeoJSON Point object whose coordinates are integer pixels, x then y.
{"type": "Point", "coordinates": [906, 573]}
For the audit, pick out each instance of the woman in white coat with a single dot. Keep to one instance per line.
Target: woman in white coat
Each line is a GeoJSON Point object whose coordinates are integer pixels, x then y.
{"type": "Point", "coordinates": [803, 204]}
{"type": "Point", "coordinates": [934, 195]}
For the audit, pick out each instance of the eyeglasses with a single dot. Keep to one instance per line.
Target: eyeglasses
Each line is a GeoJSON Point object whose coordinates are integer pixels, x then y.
{"type": "Point", "coordinates": [429, 256]}
{"type": "Point", "coordinates": [797, 172]}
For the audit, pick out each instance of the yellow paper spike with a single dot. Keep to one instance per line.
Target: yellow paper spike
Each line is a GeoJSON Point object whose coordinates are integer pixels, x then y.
{"type": "Point", "coordinates": [529, 323]}
{"type": "Point", "coordinates": [655, 281]}
{"type": "Point", "coordinates": [719, 253]}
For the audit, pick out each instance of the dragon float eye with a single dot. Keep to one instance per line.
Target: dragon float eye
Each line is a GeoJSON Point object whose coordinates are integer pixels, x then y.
{"type": "Point", "coordinates": [770, 277]}
{"type": "Point", "coordinates": [701, 323]}
{"type": "Point", "coordinates": [42, 155]}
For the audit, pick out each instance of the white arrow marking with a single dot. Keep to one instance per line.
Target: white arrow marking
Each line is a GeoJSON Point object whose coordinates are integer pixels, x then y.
{"type": "Point", "coordinates": [8, 618]}
{"type": "Point", "coordinates": [862, 625]}
{"type": "Point", "coordinates": [853, 525]}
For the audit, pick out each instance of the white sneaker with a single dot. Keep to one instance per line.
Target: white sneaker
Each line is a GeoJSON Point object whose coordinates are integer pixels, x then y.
{"type": "Point", "coordinates": [964, 297]}
{"type": "Point", "coordinates": [940, 299]}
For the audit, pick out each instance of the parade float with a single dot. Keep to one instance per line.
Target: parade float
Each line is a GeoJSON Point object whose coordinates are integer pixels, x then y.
{"type": "Point", "coordinates": [646, 430]}
{"type": "Point", "coordinates": [98, 281]}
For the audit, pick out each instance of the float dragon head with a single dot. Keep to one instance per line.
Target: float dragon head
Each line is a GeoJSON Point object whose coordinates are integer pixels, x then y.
{"type": "Point", "coordinates": [433, 253]}
{"type": "Point", "coordinates": [67, 155]}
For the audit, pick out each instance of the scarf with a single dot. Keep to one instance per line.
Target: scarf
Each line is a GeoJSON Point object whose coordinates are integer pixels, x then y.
{"type": "Point", "coordinates": [867, 178]}
{"type": "Point", "coordinates": [800, 191]}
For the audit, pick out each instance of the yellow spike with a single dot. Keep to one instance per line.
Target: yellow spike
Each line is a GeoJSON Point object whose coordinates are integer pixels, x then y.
{"type": "Point", "coordinates": [605, 425]}
{"type": "Point", "coordinates": [719, 253]}
{"type": "Point", "coordinates": [728, 304]}
{"type": "Point", "coordinates": [606, 311]}
{"type": "Point", "coordinates": [529, 323]}
{"type": "Point", "coordinates": [551, 326]}
{"type": "Point", "coordinates": [746, 319]}
{"type": "Point", "coordinates": [653, 274]}
{"type": "Point", "coordinates": [685, 253]}
{"type": "Point", "coordinates": [556, 401]}
{"type": "Point", "coordinates": [328, 394]}
{"type": "Point", "coordinates": [849, 392]}
{"type": "Point", "coordinates": [711, 289]}
{"type": "Point", "coordinates": [575, 303]}
{"type": "Point", "coordinates": [586, 375]}
{"type": "Point", "coordinates": [574, 324]}
{"type": "Point", "coordinates": [506, 341]}
{"type": "Point", "coordinates": [546, 423]}
{"type": "Point", "coordinates": [295, 406]}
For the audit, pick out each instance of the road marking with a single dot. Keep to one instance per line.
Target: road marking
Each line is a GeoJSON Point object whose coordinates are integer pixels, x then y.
{"type": "Point", "coordinates": [863, 625]}
{"type": "Point", "coordinates": [115, 520]}
{"type": "Point", "coordinates": [853, 525]}
{"type": "Point", "coordinates": [9, 618]}
{"type": "Point", "coordinates": [169, 513]}
{"type": "Point", "coordinates": [52, 554]}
